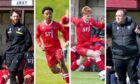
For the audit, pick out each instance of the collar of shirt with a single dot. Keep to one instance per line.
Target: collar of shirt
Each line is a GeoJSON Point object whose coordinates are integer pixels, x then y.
{"type": "Point", "coordinates": [49, 23]}
{"type": "Point", "coordinates": [85, 21]}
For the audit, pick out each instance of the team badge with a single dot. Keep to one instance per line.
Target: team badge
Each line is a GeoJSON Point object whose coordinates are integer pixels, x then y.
{"type": "Point", "coordinates": [118, 28]}
{"type": "Point", "coordinates": [54, 27]}
{"type": "Point", "coordinates": [128, 27]}
{"type": "Point", "coordinates": [19, 29]}
{"type": "Point", "coordinates": [43, 27]}
{"type": "Point", "coordinates": [81, 25]}
{"type": "Point", "coordinates": [90, 23]}
{"type": "Point", "coordinates": [10, 30]}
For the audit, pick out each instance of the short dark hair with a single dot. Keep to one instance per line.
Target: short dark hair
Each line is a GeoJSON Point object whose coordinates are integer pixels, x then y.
{"type": "Point", "coordinates": [124, 11]}
{"type": "Point", "coordinates": [47, 8]}
{"type": "Point", "coordinates": [16, 11]}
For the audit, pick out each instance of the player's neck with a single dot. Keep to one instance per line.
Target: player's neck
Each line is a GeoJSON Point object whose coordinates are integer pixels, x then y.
{"type": "Point", "coordinates": [48, 22]}
{"type": "Point", "coordinates": [85, 19]}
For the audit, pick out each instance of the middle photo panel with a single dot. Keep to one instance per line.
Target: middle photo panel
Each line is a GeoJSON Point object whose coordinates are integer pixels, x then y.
{"type": "Point", "coordinates": [52, 41]}
{"type": "Point", "coordinates": [87, 41]}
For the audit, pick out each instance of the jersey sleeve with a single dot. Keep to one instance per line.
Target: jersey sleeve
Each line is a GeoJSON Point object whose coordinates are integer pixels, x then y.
{"type": "Point", "coordinates": [74, 20]}
{"type": "Point", "coordinates": [63, 31]}
{"type": "Point", "coordinates": [97, 24]}
{"type": "Point", "coordinates": [62, 20]}
{"type": "Point", "coordinates": [38, 33]}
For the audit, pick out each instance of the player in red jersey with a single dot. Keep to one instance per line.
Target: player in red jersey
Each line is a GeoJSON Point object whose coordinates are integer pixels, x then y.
{"type": "Point", "coordinates": [29, 66]}
{"type": "Point", "coordinates": [4, 73]}
{"type": "Point", "coordinates": [64, 21]}
{"type": "Point", "coordinates": [84, 44]}
{"type": "Point", "coordinates": [47, 31]}
{"type": "Point", "coordinates": [4, 76]}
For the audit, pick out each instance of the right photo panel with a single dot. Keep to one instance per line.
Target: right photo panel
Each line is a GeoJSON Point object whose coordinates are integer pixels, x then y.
{"type": "Point", "coordinates": [87, 41]}
{"type": "Point", "coordinates": [122, 42]}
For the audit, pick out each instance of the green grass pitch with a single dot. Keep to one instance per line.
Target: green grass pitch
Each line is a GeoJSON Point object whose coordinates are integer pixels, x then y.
{"type": "Point", "coordinates": [85, 78]}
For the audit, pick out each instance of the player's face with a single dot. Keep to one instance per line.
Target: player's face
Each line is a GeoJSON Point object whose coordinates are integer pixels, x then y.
{"type": "Point", "coordinates": [15, 18]}
{"type": "Point", "coordinates": [120, 17]}
{"type": "Point", "coordinates": [87, 16]}
{"type": "Point", "coordinates": [48, 15]}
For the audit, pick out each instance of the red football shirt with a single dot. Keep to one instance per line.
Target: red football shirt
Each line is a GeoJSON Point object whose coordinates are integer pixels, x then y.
{"type": "Point", "coordinates": [83, 29]}
{"type": "Point", "coordinates": [49, 34]}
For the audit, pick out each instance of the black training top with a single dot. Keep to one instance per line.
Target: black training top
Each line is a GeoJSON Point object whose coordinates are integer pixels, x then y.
{"type": "Point", "coordinates": [124, 43]}
{"type": "Point", "coordinates": [18, 38]}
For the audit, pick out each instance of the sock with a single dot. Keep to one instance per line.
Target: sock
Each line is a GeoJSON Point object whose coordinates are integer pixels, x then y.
{"type": "Point", "coordinates": [100, 63]}
{"type": "Point", "coordinates": [66, 77]}
{"type": "Point", "coordinates": [81, 67]}
{"type": "Point", "coordinates": [73, 56]}
{"type": "Point", "coordinates": [65, 53]}
{"type": "Point", "coordinates": [75, 65]}
{"type": "Point", "coordinates": [88, 62]}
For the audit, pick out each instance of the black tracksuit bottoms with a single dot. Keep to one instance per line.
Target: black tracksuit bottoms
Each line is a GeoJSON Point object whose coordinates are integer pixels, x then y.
{"type": "Point", "coordinates": [124, 67]}
{"type": "Point", "coordinates": [13, 62]}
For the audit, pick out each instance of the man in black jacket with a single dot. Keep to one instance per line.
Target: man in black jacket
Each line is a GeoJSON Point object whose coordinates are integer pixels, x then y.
{"type": "Point", "coordinates": [123, 32]}
{"type": "Point", "coordinates": [18, 41]}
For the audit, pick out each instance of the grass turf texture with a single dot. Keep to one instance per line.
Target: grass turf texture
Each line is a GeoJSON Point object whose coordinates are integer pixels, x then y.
{"type": "Point", "coordinates": [85, 78]}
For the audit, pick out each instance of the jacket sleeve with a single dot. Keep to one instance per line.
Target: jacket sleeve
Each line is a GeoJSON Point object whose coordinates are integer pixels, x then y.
{"type": "Point", "coordinates": [28, 39]}
{"type": "Point", "coordinates": [7, 37]}
{"type": "Point", "coordinates": [109, 30]}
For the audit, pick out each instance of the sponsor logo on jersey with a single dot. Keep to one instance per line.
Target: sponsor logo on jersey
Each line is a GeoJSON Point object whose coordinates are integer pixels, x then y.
{"type": "Point", "coordinates": [50, 34]}
{"type": "Point", "coordinates": [86, 29]}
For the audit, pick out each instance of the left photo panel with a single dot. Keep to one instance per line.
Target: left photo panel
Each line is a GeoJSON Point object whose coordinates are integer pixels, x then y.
{"type": "Point", "coordinates": [16, 41]}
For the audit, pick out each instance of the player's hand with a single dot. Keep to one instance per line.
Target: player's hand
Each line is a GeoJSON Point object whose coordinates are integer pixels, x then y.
{"type": "Point", "coordinates": [66, 44]}
{"type": "Point", "coordinates": [102, 50]}
{"type": "Point", "coordinates": [42, 48]}
{"type": "Point", "coordinates": [102, 20]}
{"type": "Point", "coordinates": [108, 67]}
{"type": "Point", "coordinates": [137, 30]}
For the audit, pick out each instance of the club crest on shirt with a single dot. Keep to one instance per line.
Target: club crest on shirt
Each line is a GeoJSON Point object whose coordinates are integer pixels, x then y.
{"type": "Point", "coordinates": [128, 27]}
{"type": "Point", "coordinates": [42, 27]}
{"type": "Point", "coordinates": [54, 27]}
{"type": "Point", "coordinates": [81, 25]}
{"type": "Point", "coordinates": [118, 28]}
{"type": "Point", "coordinates": [90, 23]}
{"type": "Point", "coordinates": [19, 28]}
{"type": "Point", "coordinates": [10, 30]}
